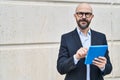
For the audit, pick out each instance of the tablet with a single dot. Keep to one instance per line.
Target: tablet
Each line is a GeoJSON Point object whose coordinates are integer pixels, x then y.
{"type": "Point", "coordinates": [94, 52]}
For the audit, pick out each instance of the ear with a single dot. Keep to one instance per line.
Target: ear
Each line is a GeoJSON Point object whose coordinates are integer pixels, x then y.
{"type": "Point", "coordinates": [92, 16]}
{"type": "Point", "coordinates": [75, 15]}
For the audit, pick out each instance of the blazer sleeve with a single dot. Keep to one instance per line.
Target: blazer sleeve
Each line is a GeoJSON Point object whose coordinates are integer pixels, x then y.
{"type": "Point", "coordinates": [108, 66]}
{"type": "Point", "coordinates": [65, 62]}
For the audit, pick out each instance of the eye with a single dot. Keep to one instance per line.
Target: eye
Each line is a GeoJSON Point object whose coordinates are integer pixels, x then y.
{"type": "Point", "coordinates": [80, 14]}
{"type": "Point", "coordinates": [87, 14]}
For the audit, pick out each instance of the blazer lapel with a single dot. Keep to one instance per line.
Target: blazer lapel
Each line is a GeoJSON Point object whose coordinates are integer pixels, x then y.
{"type": "Point", "coordinates": [77, 38]}
{"type": "Point", "coordinates": [93, 38]}
{"type": "Point", "coordinates": [78, 41]}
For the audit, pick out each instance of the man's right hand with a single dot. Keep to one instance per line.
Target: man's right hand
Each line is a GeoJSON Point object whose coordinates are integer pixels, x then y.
{"type": "Point", "coordinates": [81, 53]}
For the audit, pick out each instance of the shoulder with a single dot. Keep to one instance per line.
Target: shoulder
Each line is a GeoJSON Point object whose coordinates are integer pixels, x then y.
{"type": "Point", "coordinates": [69, 34]}
{"type": "Point", "coordinates": [93, 32]}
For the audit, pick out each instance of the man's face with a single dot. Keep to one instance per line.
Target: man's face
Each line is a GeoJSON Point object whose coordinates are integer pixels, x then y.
{"type": "Point", "coordinates": [83, 16]}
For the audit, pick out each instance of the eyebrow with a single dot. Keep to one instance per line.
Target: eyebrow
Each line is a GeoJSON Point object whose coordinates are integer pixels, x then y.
{"type": "Point", "coordinates": [84, 12]}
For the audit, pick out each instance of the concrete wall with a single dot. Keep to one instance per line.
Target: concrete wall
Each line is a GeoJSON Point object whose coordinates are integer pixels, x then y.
{"type": "Point", "coordinates": [30, 33]}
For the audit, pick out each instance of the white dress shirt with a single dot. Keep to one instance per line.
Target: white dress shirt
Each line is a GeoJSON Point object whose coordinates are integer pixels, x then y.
{"type": "Point", "coordinates": [86, 42]}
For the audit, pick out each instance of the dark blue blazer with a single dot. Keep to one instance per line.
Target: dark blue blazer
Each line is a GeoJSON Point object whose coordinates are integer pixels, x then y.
{"type": "Point", "coordinates": [70, 43]}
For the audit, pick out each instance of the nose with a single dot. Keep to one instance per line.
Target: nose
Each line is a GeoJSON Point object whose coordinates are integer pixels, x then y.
{"type": "Point", "coordinates": [83, 16]}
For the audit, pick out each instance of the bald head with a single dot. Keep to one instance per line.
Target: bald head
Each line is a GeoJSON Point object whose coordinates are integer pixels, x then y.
{"type": "Point", "coordinates": [83, 15]}
{"type": "Point", "coordinates": [84, 7]}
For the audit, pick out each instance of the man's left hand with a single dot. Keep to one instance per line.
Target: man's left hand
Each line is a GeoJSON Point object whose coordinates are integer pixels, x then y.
{"type": "Point", "coordinates": [100, 62]}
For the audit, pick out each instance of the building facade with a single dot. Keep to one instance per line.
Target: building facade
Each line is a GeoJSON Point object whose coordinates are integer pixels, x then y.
{"type": "Point", "coordinates": [30, 33]}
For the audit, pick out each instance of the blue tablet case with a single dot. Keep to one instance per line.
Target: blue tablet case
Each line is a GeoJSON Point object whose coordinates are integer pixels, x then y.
{"type": "Point", "coordinates": [94, 52]}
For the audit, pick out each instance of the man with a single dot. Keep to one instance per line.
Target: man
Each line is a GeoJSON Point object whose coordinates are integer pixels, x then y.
{"type": "Point", "coordinates": [74, 47]}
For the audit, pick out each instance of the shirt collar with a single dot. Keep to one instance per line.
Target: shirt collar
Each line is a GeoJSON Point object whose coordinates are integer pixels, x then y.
{"type": "Point", "coordinates": [80, 33]}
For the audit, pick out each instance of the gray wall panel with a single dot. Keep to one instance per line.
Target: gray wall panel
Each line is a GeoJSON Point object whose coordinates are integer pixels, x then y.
{"type": "Point", "coordinates": [30, 32]}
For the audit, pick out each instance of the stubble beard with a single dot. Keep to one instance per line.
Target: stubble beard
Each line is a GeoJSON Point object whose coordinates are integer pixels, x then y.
{"type": "Point", "coordinates": [83, 27]}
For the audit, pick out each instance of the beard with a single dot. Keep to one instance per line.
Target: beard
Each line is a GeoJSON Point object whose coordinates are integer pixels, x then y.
{"type": "Point", "coordinates": [83, 27]}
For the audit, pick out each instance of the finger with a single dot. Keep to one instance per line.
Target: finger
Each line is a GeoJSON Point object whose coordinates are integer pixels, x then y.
{"type": "Point", "coordinates": [100, 65]}
{"type": "Point", "coordinates": [99, 60]}
{"type": "Point", "coordinates": [97, 63]}
{"type": "Point", "coordinates": [82, 50]}
{"type": "Point", "coordinates": [100, 57]}
{"type": "Point", "coordinates": [85, 49]}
